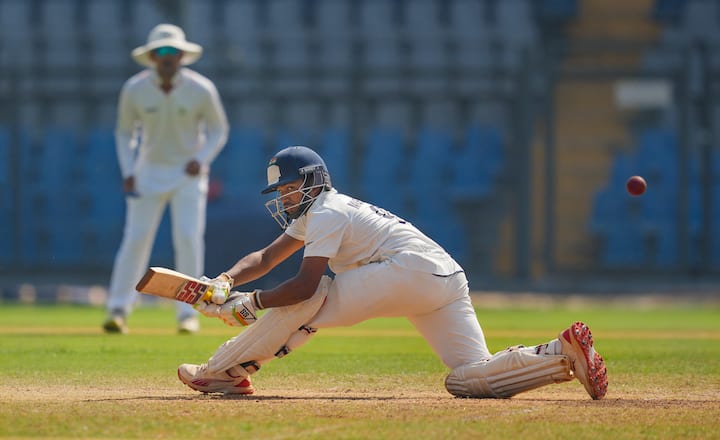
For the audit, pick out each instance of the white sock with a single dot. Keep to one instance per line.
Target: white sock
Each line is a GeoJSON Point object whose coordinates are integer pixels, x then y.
{"type": "Point", "coordinates": [552, 347]}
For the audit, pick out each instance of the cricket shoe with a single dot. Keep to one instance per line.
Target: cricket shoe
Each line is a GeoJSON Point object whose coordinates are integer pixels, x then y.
{"type": "Point", "coordinates": [586, 363]}
{"type": "Point", "coordinates": [200, 379]}
{"type": "Point", "coordinates": [115, 323]}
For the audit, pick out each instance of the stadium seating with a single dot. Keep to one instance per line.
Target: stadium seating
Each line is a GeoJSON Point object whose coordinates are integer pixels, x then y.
{"type": "Point", "coordinates": [384, 167]}
{"type": "Point", "coordinates": [240, 166]}
{"type": "Point", "coordinates": [554, 12]}
{"type": "Point", "coordinates": [647, 227]}
{"type": "Point", "coordinates": [336, 150]}
{"type": "Point", "coordinates": [6, 200]}
{"type": "Point", "coordinates": [668, 11]}
{"type": "Point", "coordinates": [430, 180]}
{"type": "Point", "coordinates": [478, 164]}
{"type": "Point", "coordinates": [403, 122]}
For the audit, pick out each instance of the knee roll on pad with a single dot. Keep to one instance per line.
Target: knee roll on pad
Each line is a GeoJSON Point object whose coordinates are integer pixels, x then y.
{"type": "Point", "coordinates": [508, 373]}
{"type": "Point", "coordinates": [273, 333]}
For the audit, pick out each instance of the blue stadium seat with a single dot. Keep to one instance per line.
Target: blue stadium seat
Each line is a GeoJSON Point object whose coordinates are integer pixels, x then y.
{"type": "Point", "coordinates": [608, 210]}
{"type": "Point", "coordinates": [624, 248]}
{"type": "Point", "coordinates": [385, 162]}
{"type": "Point", "coordinates": [423, 19]}
{"type": "Point", "coordinates": [291, 55]}
{"type": "Point", "coordinates": [100, 157]}
{"type": "Point", "coordinates": [668, 11]}
{"type": "Point", "coordinates": [241, 164]}
{"type": "Point", "coordinates": [557, 11]}
{"type": "Point", "coordinates": [241, 30]}
{"type": "Point", "coordinates": [15, 20]}
{"type": "Point", "coordinates": [6, 200]}
{"type": "Point", "coordinates": [145, 15]}
{"type": "Point", "coordinates": [60, 35]}
{"type": "Point", "coordinates": [58, 161]}
{"type": "Point", "coordinates": [109, 50]}
{"type": "Point", "coordinates": [653, 218]}
{"type": "Point", "coordinates": [4, 157]}
{"type": "Point", "coordinates": [335, 148]}
{"type": "Point", "coordinates": [431, 158]}
{"type": "Point", "coordinates": [657, 158]}
{"type": "Point", "coordinates": [7, 234]}
{"type": "Point", "coordinates": [468, 21]}
{"type": "Point", "coordinates": [434, 215]}
{"type": "Point", "coordinates": [700, 19]}
{"type": "Point", "coordinates": [433, 210]}
{"type": "Point", "coordinates": [516, 24]}
{"type": "Point", "coordinates": [479, 163]}
{"type": "Point", "coordinates": [199, 14]}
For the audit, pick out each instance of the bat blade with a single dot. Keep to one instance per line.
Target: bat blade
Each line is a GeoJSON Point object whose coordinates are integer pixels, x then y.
{"type": "Point", "coordinates": [168, 283]}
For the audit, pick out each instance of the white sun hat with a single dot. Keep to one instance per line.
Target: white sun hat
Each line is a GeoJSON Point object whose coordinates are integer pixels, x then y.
{"type": "Point", "coordinates": [167, 35]}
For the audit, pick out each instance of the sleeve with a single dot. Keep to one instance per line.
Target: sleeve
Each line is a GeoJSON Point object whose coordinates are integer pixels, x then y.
{"type": "Point", "coordinates": [125, 133]}
{"type": "Point", "coordinates": [324, 235]}
{"type": "Point", "coordinates": [297, 228]}
{"type": "Point", "coordinates": [216, 125]}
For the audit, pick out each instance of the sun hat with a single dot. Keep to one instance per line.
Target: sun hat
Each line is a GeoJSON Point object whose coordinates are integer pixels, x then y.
{"type": "Point", "coordinates": [167, 35]}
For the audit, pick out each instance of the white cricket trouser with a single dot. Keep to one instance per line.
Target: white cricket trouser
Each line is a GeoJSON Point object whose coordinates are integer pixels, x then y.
{"type": "Point", "coordinates": [187, 210]}
{"type": "Point", "coordinates": [439, 307]}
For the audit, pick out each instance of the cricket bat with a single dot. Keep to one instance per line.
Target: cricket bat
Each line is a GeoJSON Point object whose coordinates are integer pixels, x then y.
{"type": "Point", "coordinates": [168, 283]}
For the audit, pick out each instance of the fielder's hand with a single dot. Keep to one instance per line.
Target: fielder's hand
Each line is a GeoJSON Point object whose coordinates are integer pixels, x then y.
{"type": "Point", "coordinates": [239, 309]}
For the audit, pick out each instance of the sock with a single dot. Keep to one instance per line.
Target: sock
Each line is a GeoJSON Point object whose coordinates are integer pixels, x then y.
{"type": "Point", "coordinates": [552, 347]}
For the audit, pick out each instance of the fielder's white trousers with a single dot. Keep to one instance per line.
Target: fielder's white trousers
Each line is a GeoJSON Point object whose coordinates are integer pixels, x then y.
{"type": "Point", "coordinates": [188, 204]}
{"type": "Point", "coordinates": [438, 306]}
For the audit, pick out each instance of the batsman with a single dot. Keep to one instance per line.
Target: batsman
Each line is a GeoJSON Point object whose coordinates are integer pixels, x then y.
{"type": "Point", "coordinates": [383, 266]}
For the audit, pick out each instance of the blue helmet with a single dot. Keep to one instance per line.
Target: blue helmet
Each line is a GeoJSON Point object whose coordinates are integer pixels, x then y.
{"type": "Point", "coordinates": [289, 165]}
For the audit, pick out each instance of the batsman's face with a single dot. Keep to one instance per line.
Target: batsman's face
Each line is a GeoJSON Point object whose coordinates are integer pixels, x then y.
{"type": "Point", "coordinates": [290, 195]}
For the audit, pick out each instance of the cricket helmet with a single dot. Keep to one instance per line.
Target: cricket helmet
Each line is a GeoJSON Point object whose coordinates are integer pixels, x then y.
{"type": "Point", "coordinates": [289, 165]}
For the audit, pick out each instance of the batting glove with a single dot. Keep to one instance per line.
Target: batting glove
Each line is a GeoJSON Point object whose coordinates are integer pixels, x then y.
{"type": "Point", "coordinates": [239, 309]}
{"type": "Point", "coordinates": [210, 305]}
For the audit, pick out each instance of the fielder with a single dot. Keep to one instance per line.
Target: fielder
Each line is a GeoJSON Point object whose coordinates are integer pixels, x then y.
{"type": "Point", "coordinates": [384, 267]}
{"type": "Point", "coordinates": [171, 125]}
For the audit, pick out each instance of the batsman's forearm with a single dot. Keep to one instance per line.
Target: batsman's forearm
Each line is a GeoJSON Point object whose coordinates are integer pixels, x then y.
{"type": "Point", "coordinates": [249, 268]}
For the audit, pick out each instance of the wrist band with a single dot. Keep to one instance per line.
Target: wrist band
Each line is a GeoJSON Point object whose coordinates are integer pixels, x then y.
{"type": "Point", "coordinates": [229, 278]}
{"type": "Point", "coordinates": [256, 297]}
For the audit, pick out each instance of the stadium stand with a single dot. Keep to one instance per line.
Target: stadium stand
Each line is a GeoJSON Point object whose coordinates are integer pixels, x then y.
{"type": "Point", "coordinates": [335, 148]}
{"type": "Point", "coordinates": [644, 230]}
{"type": "Point", "coordinates": [6, 199]}
{"type": "Point", "coordinates": [384, 167]}
{"type": "Point", "coordinates": [288, 72]}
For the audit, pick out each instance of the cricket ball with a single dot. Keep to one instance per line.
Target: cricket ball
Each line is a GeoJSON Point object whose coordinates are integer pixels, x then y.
{"type": "Point", "coordinates": [636, 185]}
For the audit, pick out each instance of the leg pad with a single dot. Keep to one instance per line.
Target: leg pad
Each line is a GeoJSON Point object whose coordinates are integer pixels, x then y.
{"type": "Point", "coordinates": [507, 373]}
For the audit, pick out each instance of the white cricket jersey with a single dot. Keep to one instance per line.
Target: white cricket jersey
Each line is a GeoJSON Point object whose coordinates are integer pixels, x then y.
{"type": "Point", "coordinates": [157, 134]}
{"type": "Point", "coordinates": [353, 233]}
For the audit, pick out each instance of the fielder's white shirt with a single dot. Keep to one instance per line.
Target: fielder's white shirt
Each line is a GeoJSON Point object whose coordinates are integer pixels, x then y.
{"type": "Point", "coordinates": [353, 233]}
{"type": "Point", "coordinates": [157, 134]}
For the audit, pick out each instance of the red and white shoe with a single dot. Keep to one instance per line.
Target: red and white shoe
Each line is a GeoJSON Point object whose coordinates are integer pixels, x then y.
{"type": "Point", "coordinates": [586, 363]}
{"type": "Point", "coordinates": [200, 379]}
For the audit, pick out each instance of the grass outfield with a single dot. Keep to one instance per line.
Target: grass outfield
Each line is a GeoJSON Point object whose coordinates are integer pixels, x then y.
{"type": "Point", "coordinates": [62, 377]}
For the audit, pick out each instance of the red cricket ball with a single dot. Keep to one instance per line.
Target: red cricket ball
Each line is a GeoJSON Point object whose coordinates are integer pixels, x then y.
{"type": "Point", "coordinates": [636, 185]}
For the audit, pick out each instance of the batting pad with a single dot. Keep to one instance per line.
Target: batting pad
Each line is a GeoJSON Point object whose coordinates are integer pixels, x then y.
{"type": "Point", "coordinates": [270, 336]}
{"type": "Point", "coordinates": [508, 373]}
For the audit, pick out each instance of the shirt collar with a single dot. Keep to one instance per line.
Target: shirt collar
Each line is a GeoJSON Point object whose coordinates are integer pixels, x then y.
{"type": "Point", "coordinates": [175, 80]}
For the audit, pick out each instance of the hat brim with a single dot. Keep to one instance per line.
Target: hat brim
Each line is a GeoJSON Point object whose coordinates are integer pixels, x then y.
{"type": "Point", "coordinates": [191, 51]}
